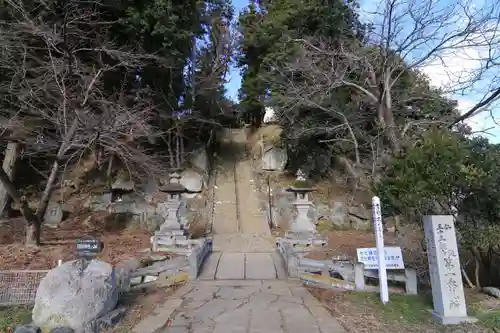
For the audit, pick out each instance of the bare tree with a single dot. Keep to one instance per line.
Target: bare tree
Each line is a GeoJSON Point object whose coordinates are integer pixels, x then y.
{"type": "Point", "coordinates": [71, 92]}
{"type": "Point", "coordinates": [431, 33]}
{"type": "Point", "coordinates": [381, 76]}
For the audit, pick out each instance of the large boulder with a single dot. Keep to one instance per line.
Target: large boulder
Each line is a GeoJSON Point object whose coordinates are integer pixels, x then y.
{"type": "Point", "coordinates": [69, 297]}
{"type": "Point", "coordinates": [199, 159]}
{"type": "Point", "coordinates": [360, 217]}
{"type": "Point", "coordinates": [123, 184]}
{"type": "Point", "coordinates": [191, 180]}
{"type": "Point", "coordinates": [98, 202]}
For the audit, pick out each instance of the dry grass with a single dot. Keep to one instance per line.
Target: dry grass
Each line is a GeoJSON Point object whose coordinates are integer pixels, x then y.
{"type": "Point", "coordinates": [264, 136]}
{"type": "Point", "coordinates": [121, 241]}
{"type": "Point", "coordinates": [198, 226]}
{"type": "Point", "coordinates": [270, 134]}
{"type": "Point", "coordinates": [345, 243]}
{"type": "Point", "coordinates": [363, 312]}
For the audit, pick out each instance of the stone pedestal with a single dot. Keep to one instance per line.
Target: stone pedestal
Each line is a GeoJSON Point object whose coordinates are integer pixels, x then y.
{"type": "Point", "coordinates": [172, 221]}
{"type": "Point", "coordinates": [444, 268]}
{"type": "Point", "coordinates": [302, 222]}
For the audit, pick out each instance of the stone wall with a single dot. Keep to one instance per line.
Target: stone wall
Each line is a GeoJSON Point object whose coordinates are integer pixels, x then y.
{"type": "Point", "coordinates": [337, 213]}
{"type": "Point", "coordinates": [139, 210]}
{"type": "Point", "coordinates": [144, 204]}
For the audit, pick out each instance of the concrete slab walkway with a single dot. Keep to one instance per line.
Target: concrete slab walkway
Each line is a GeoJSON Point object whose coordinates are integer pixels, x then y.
{"type": "Point", "coordinates": [245, 306]}
{"type": "Point", "coordinates": [240, 266]}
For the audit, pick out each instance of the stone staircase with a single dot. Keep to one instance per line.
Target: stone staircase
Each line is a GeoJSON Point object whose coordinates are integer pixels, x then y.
{"type": "Point", "coordinates": [243, 247]}
{"type": "Point", "coordinates": [252, 219]}
{"type": "Point", "coordinates": [225, 220]}
{"type": "Point", "coordinates": [239, 225]}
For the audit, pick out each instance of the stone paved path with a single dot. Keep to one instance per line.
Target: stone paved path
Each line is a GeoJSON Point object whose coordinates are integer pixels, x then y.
{"type": "Point", "coordinates": [242, 286]}
{"type": "Point", "coordinates": [228, 306]}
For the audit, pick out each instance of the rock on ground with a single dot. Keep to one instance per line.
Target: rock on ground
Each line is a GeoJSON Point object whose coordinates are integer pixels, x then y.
{"type": "Point", "coordinates": [68, 298]}
{"type": "Point", "coordinates": [62, 330]}
{"type": "Point", "coordinates": [27, 329]}
{"type": "Point", "coordinates": [492, 291]}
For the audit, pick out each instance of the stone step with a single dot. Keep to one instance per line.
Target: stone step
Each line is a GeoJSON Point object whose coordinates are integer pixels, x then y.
{"type": "Point", "coordinates": [223, 217]}
{"type": "Point", "coordinates": [263, 242]}
{"type": "Point", "coordinates": [224, 228]}
{"type": "Point", "coordinates": [224, 199]}
{"type": "Point", "coordinates": [227, 208]}
{"type": "Point", "coordinates": [242, 266]}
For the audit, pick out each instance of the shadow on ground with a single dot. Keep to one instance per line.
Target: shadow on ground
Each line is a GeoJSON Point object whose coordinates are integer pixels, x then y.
{"type": "Point", "coordinates": [232, 149]}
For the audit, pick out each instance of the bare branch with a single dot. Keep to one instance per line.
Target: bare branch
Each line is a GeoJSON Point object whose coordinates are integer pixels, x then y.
{"type": "Point", "coordinates": [58, 67]}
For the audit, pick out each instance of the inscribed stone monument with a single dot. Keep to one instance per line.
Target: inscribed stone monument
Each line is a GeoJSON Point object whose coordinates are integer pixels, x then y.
{"type": "Point", "coordinates": [444, 268]}
{"type": "Point", "coordinates": [274, 158]}
{"type": "Point", "coordinates": [53, 216]}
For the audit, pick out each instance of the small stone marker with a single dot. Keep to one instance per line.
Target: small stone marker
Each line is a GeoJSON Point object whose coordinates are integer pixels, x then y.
{"type": "Point", "coordinates": [87, 248]}
{"type": "Point", "coordinates": [444, 268]}
{"type": "Point", "coordinates": [53, 216]}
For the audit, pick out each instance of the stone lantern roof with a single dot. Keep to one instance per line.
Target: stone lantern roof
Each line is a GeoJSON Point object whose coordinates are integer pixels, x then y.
{"type": "Point", "coordinates": [174, 188]}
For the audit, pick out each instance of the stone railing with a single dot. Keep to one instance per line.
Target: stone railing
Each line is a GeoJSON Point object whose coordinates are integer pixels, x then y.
{"type": "Point", "coordinates": [198, 256]}
{"type": "Point", "coordinates": [338, 272]}
{"type": "Point", "coordinates": [194, 250]}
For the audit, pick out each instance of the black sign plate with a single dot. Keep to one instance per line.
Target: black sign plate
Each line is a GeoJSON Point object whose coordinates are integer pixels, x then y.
{"type": "Point", "coordinates": [88, 247]}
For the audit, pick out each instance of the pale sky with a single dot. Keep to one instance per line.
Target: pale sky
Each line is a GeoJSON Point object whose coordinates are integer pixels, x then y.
{"type": "Point", "coordinates": [439, 74]}
{"type": "Point", "coordinates": [234, 73]}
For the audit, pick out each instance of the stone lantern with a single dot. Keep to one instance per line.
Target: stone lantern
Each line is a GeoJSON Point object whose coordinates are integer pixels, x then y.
{"type": "Point", "coordinates": [174, 189]}
{"type": "Point", "coordinates": [301, 191]}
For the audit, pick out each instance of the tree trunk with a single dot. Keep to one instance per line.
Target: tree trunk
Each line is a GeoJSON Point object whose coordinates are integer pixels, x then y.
{"type": "Point", "coordinates": [170, 150]}
{"type": "Point", "coordinates": [33, 234]}
{"type": "Point", "coordinates": [467, 279]}
{"type": "Point", "coordinates": [12, 153]}
{"type": "Point", "coordinates": [181, 148]}
{"type": "Point", "coordinates": [177, 149]}
{"type": "Point", "coordinates": [388, 126]}
{"type": "Point", "coordinates": [49, 188]}
{"type": "Point", "coordinates": [109, 181]}
{"type": "Point", "coordinates": [109, 173]}
{"type": "Point", "coordinates": [33, 222]}
{"type": "Point", "coordinates": [477, 265]}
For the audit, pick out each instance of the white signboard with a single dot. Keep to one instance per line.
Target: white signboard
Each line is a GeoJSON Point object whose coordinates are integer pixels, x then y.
{"type": "Point", "coordinates": [393, 258]}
